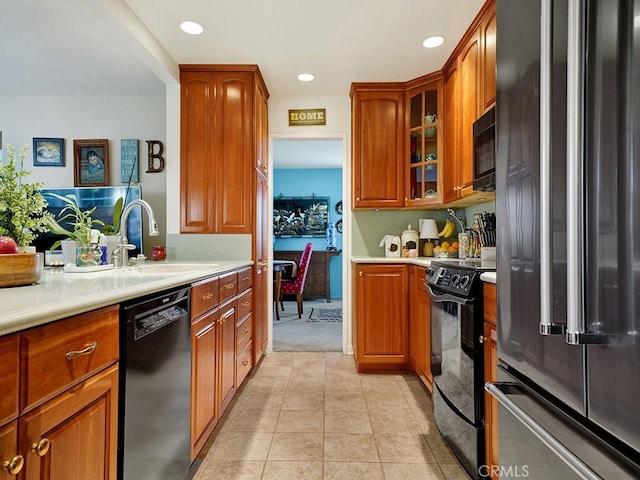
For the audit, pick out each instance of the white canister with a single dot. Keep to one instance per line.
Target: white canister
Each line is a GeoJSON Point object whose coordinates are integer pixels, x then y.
{"type": "Point", "coordinates": [409, 240]}
{"type": "Point", "coordinates": [391, 245]}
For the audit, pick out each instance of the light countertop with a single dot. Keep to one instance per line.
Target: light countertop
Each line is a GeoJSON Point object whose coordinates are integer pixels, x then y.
{"type": "Point", "coordinates": [489, 277]}
{"type": "Point", "coordinates": [60, 294]}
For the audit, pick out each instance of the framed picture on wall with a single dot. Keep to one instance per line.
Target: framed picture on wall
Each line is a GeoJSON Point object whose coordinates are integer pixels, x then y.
{"type": "Point", "coordinates": [48, 152]}
{"type": "Point", "coordinates": [300, 216]}
{"type": "Point", "coordinates": [91, 163]}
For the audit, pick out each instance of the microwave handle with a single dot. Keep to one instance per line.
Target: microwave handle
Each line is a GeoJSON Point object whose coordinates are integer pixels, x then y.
{"type": "Point", "coordinates": [547, 326]}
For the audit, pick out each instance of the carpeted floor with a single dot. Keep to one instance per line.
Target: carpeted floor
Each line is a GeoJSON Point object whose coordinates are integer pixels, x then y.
{"type": "Point", "coordinates": [293, 334]}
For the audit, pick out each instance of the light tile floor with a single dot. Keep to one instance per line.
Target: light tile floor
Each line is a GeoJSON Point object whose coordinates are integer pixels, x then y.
{"type": "Point", "coordinates": [310, 416]}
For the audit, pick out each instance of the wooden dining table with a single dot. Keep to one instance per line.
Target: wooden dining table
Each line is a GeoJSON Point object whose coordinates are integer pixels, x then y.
{"type": "Point", "coordinates": [279, 267]}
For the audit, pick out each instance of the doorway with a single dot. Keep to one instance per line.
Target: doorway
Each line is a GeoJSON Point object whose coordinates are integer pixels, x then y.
{"type": "Point", "coordinates": [307, 178]}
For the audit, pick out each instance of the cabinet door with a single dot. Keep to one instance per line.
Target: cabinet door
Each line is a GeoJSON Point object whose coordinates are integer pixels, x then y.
{"type": "Point", "coordinates": [261, 281]}
{"type": "Point", "coordinates": [491, 404]}
{"type": "Point", "coordinates": [450, 184]}
{"type": "Point", "coordinates": [490, 374]}
{"type": "Point", "coordinates": [423, 165]}
{"type": "Point", "coordinates": [9, 368]}
{"type": "Point", "coordinates": [233, 148]}
{"type": "Point", "coordinates": [381, 330]}
{"type": "Point", "coordinates": [419, 326]}
{"type": "Point", "coordinates": [262, 129]}
{"type": "Point", "coordinates": [9, 452]}
{"type": "Point", "coordinates": [469, 87]}
{"type": "Point", "coordinates": [488, 63]}
{"type": "Point", "coordinates": [378, 146]}
{"type": "Point", "coordinates": [203, 379]}
{"type": "Point", "coordinates": [227, 354]}
{"type": "Point", "coordinates": [75, 432]}
{"type": "Point", "coordinates": [197, 161]}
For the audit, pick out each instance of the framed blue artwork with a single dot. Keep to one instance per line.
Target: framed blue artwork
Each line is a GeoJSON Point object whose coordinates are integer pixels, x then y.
{"type": "Point", "coordinates": [129, 160]}
{"type": "Point", "coordinates": [48, 152]}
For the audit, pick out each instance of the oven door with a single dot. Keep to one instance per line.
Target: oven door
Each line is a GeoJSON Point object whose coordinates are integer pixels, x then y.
{"type": "Point", "coordinates": [457, 369]}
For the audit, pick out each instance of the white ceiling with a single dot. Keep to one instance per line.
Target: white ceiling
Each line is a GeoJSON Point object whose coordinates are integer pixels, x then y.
{"type": "Point", "coordinates": [50, 47]}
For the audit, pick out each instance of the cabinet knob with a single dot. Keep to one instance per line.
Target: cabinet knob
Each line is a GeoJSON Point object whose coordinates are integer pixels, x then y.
{"type": "Point", "coordinates": [360, 273]}
{"type": "Point", "coordinates": [357, 199]}
{"type": "Point", "coordinates": [481, 338]}
{"type": "Point", "coordinates": [13, 466]}
{"type": "Point", "coordinates": [41, 448]}
{"type": "Point", "coordinates": [406, 199]}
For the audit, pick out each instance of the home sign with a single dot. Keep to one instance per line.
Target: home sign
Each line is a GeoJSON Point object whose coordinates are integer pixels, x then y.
{"type": "Point", "coordinates": [307, 116]}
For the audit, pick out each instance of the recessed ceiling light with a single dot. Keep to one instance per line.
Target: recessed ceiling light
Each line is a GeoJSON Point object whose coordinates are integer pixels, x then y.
{"type": "Point", "coordinates": [433, 41]}
{"type": "Point", "coordinates": [305, 77]}
{"type": "Point", "coordinates": [192, 28]}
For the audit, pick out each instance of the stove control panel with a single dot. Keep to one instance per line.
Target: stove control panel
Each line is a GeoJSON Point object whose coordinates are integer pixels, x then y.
{"type": "Point", "coordinates": [453, 279]}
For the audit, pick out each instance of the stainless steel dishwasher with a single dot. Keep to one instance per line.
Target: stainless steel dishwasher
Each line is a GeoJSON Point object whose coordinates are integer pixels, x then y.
{"type": "Point", "coordinates": [155, 378]}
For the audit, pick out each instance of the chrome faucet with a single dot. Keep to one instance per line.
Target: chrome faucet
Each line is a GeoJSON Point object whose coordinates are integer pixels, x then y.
{"type": "Point", "coordinates": [121, 253]}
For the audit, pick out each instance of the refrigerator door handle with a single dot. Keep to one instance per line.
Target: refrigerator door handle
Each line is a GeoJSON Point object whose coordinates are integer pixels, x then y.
{"type": "Point", "coordinates": [547, 326]}
{"type": "Point", "coordinates": [577, 465]}
{"type": "Point", "coordinates": [576, 333]}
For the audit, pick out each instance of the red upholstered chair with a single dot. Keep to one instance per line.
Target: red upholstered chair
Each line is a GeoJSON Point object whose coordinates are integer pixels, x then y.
{"type": "Point", "coordinates": [295, 286]}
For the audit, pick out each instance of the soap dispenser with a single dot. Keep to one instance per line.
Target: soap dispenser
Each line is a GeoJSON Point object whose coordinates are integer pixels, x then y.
{"type": "Point", "coordinates": [409, 240]}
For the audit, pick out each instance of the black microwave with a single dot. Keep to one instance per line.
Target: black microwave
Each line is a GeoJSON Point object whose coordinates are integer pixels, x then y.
{"type": "Point", "coordinates": [484, 152]}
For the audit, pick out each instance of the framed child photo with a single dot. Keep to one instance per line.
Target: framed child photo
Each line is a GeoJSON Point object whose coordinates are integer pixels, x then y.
{"type": "Point", "coordinates": [91, 163]}
{"type": "Point", "coordinates": [48, 152]}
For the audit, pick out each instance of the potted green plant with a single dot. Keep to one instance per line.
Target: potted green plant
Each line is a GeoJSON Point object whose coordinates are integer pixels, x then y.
{"type": "Point", "coordinates": [114, 228]}
{"type": "Point", "coordinates": [84, 234]}
{"type": "Point", "coordinates": [23, 211]}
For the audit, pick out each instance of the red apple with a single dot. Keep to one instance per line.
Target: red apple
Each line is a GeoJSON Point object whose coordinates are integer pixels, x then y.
{"type": "Point", "coordinates": [8, 245]}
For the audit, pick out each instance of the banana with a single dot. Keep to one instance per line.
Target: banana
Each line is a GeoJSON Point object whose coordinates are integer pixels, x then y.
{"type": "Point", "coordinates": [451, 229]}
{"type": "Point", "coordinates": [444, 229]}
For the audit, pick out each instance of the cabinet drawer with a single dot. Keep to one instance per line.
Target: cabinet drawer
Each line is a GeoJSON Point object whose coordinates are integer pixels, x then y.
{"type": "Point", "coordinates": [9, 367]}
{"type": "Point", "coordinates": [245, 278]}
{"type": "Point", "coordinates": [204, 296]}
{"type": "Point", "coordinates": [228, 286]}
{"type": "Point", "coordinates": [490, 302]}
{"type": "Point", "coordinates": [243, 364]}
{"type": "Point", "coordinates": [245, 304]}
{"type": "Point", "coordinates": [244, 333]}
{"type": "Point", "coordinates": [60, 354]}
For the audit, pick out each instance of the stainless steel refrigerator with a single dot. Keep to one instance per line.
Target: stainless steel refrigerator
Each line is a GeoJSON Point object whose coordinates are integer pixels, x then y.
{"type": "Point", "coordinates": [568, 264]}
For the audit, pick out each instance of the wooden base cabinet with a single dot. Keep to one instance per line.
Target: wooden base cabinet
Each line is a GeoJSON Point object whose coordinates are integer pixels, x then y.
{"type": "Point", "coordinates": [491, 375]}
{"type": "Point", "coordinates": [381, 330]}
{"type": "Point", "coordinates": [419, 326]}
{"type": "Point", "coordinates": [62, 423]}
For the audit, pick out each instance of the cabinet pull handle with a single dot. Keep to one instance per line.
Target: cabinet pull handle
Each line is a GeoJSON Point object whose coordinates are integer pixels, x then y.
{"type": "Point", "coordinates": [245, 363]}
{"type": "Point", "coordinates": [89, 349]}
{"type": "Point", "coordinates": [246, 279]}
{"type": "Point", "coordinates": [481, 338]}
{"type": "Point", "coordinates": [230, 286]}
{"type": "Point", "coordinates": [226, 315]}
{"type": "Point", "coordinates": [13, 466]}
{"type": "Point", "coordinates": [41, 448]}
{"type": "Point", "coordinates": [245, 332]}
{"type": "Point", "coordinates": [246, 304]}
{"type": "Point", "coordinates": [207, 296]}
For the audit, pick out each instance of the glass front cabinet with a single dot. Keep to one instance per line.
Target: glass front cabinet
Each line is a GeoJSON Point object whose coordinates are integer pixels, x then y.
{"type": "Point", "coordinates": [424, 160]}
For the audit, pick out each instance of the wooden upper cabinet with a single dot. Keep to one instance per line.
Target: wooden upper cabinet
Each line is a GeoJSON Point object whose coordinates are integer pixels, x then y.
{"type": "Point", "coordinates": [488, 59]}
{"type": "Point", "coordinates": [197, 166]}
{"type": "Point", "coordinates": [262, 130]}
{"type": "Point", "coordinates": [450, 130]}
{"type": "Point", "coordinates": [469, 86]}
{"type": "Point", "coordinates": [220, 140]}
{"type": "Point", "coordinates": [378, 126]}
{"type": "Point", "coordinates": [424, 159]}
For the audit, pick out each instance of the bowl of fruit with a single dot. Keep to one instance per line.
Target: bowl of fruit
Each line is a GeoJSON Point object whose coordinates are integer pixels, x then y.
{"type": "Point", "coordinates": [446, 250]}
{"type": "Point", "coordinates": [18, 269]}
